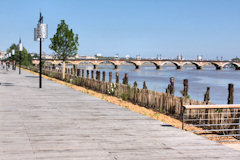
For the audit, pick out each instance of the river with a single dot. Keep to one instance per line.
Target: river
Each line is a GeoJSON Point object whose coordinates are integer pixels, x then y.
{"type": "Point", "coordinates": [198, 80]}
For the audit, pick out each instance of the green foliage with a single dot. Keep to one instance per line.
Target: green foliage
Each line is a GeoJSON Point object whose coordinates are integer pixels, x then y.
{"type": "Point", "coordinates": [51, 75]}
{"type": "Point", "coordinates": [124, 96]}
{"type": "Point", "coordinates": [26, 58]}
{"type": "Point", "coordinates": [64, 42]}
{"type": "Point", "coordinates": [75, 81]}
{"type": "Point", "coordinates": [67, 80]}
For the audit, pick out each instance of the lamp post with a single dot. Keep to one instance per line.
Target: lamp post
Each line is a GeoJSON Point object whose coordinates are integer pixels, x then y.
{"type": "Point", "coordinates": [20, 49]}
{"type": "Point", "coordinates": [40, 33]}
{"type": "Point", "coordinates": [13, 59]}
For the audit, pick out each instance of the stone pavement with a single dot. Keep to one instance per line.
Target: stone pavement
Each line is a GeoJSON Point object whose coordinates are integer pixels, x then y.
{"type": "Point", "coordinates": [58, 123]}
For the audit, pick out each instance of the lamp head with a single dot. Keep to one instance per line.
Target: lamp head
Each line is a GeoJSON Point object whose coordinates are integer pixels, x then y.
{"type": "Point", "coordinates": [20, 46]}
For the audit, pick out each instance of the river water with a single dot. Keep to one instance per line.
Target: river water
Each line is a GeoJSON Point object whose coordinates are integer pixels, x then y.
{"type": "Point", "coordinates": [198, 80]}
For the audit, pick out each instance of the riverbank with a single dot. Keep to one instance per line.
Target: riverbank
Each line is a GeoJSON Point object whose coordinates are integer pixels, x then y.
{"type": "Point", "coordinates": [169, 119]}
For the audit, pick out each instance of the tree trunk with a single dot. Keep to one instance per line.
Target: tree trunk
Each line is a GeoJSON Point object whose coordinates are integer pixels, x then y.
{"type": "Point", "coordinates": [63, 70]}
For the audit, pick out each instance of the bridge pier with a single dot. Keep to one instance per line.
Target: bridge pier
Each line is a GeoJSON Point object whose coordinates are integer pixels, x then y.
{"type": "Point", "coordinates": [158, 67]}
{"type": "Point", "coordinates": [95, 66]}
{"type": "Point", "coordinates": [237, 68]}
{"type": "Point", "coordinates": [138, 67]}
{"type": "Point", "coordinates": [219, 68]}
{"type": "Point", "coordinates": [179, 67]}
{"type": "Point", "coordinates": [199, 67]}
{"type": "Point", "coordinates": [116, 67]}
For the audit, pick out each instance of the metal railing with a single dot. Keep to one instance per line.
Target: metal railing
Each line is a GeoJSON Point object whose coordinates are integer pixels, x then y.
{"type": "Point", "coordinates": [220, 123]}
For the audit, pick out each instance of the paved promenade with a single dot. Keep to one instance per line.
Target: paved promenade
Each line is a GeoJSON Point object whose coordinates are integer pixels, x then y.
{"type": "Point", "coordinates": [59, 123]}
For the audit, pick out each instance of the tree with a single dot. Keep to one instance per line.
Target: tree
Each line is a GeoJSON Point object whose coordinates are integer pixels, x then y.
{"type": "Point", "coordinates": [64, 43]}
{"type": "Point", "coordinates": [26, 58]}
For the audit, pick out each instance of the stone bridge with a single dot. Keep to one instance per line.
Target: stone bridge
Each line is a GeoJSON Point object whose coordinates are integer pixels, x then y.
{"type": "Point", "coordinates": [138, 63]}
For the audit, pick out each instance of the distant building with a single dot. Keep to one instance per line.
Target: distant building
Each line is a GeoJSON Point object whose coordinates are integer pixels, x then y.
{"type": "Point", "coordinates": [46, 56]}
{"type": "Point", "coordinates": [199, 58]}
{"type": "Point", "coordinates": [86, 57]}
{"type": "Point", "coordinates": [127, 56]}
{"type": "Point", "coordinates": [138, 57]}
{"type": "Point", "coordinates": [116, 55]}
{"type": "Point", "coordinates": [98, 55]}
{"type": "Point", "coordinates": [179, 57]}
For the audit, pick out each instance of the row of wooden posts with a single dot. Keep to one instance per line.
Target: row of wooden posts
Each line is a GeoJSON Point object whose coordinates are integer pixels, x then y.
{"type": "Point", "coordinates": [169, 90]}
{"type": "Point", "coordinates": [165, 103]}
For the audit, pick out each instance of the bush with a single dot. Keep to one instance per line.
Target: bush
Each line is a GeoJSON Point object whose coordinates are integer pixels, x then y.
{"type": "Point", "coordinates": [124, 96]}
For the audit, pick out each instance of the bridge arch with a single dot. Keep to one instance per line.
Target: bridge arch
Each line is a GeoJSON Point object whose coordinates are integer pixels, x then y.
{"type": "Point", "coordinates": [155, 64]}
{"type": "Point", "coordinates": [193, 63]}
{"type": "Point", "coordinates": [178, 66]}
{"type": "Point", "coordinates": [135, 64]}
{"type": "Point", "coordinates": [236, 66]}
{"type": "Point", "coordinates": [87, 63]}
{"type": "Point", "coordinates": [110, 62]}
{"type": "Point", "coordinates": [217, 66]}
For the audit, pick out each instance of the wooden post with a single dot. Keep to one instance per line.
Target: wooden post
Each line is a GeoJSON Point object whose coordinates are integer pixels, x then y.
{"type": "Point", "coordinates": [78, 72]}
{"type": "Point", "coordinates": [87, 74]}
{"type": "Point", "coordinates": [117, 77]}
{"type": "Point", "coordinates": [103, 76]}
{"type": "Point", "coordinates": [96, 75]}
{"type": "Point", "coordinates": [144, 85]}
{"type": "Point", "coordinates": [207, 95]}
{"type": "Point", "coordinates": [74, 70]}
{"type": "Point", "coordinates": [185, 90]}
{"type": "Point", "coordinates": [82, 73]}
{"type": "Point", "coordinates": [125, 79]}
{"type": "Point", "coordinates": [168, 89]}
{"type": "Point", "coordinates": [110, 77]}
{"type": "Point", "coordinates": [99, 75]}
{"type": "Point", "coordinates": [230, 93]}
{"type": "Point", "coordinates": [135, 84]}
{"type": "Point", "coordinates": [92, 75]}
{"type": "Point", "coordinates": [172, 86]}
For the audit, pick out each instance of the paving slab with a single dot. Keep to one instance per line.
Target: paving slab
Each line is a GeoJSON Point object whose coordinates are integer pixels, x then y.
{"type": "Point", "coordinates": [58, 122]}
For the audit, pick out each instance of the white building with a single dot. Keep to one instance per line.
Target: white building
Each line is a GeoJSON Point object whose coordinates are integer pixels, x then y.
{"type": "Point", "coordinates": [179, 57]}
{"type": "Point", "coordinates": [127, 56]}
{"type": "Point", "coordinates": [98, 55]}
{"type": "Point", "coordinates": [199, 58]}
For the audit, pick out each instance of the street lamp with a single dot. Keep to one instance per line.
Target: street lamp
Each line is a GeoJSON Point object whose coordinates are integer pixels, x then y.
{"type": "Point", "coordinates": [20, 49]}
{"type": "Point", "coordinates": [41, 32]}
{"type": "Point", "coordinates": [13, 59]}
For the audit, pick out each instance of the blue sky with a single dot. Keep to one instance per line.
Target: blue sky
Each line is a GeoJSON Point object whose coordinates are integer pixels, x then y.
{"type": "Point", "coordinates": [147, 27]}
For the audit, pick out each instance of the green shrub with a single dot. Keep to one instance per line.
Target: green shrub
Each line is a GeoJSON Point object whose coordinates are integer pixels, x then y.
{"type": "Point", "coordinates": [124, 96]}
